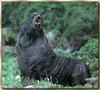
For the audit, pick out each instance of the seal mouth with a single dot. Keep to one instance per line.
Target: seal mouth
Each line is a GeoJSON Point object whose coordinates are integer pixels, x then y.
{"type": "Point", "coordinates": [37, 20]}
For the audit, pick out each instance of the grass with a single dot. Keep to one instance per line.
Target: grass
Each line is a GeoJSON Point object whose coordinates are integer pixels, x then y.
{"type": "Point", "coordinates": [11, 77]}
{"type": "Point", "coordinates": [10, 71]}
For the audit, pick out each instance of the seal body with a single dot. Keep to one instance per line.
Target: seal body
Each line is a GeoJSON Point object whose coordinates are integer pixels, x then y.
{"type": "Point", "coordinates": [37, 60]}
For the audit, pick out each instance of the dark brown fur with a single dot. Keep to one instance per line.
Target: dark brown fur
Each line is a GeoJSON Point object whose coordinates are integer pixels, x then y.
{"type": "Point", "coordinates": [36, 58]}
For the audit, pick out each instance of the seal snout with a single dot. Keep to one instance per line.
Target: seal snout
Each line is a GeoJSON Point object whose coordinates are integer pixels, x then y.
{"type": "Point", "coordinates": [37, 20]}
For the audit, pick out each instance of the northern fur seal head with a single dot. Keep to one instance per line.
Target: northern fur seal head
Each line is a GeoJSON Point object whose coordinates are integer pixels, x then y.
{"type": "Point", "coordinates": [36, 20]}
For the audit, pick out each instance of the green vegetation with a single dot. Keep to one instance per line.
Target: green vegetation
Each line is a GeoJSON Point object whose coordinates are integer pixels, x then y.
{"type": "Point", "coordinates": [9, 72]}
{"type": "Point", "coordinates": [63, 21]}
